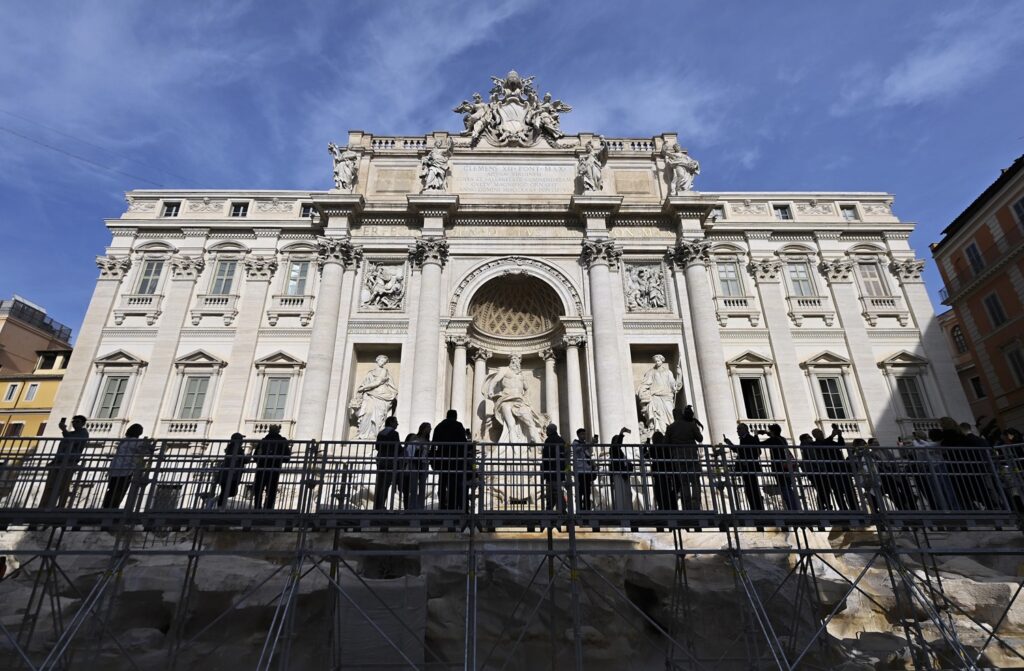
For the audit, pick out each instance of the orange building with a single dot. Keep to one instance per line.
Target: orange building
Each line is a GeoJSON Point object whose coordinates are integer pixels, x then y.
{"type": "Point", "coordinates": [981, 259]}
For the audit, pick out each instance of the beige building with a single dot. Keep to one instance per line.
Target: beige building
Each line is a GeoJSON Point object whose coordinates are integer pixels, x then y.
{"type": "Point", "coordinates": [26, 398]}
{"type": "Point", "coordinates": [25, 329]}
{"type": "Point", "coordinates": [519, 276]}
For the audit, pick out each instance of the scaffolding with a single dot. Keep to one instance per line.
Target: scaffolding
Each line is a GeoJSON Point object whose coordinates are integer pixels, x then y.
{"type": "Point", "coordinates": [539, 562]}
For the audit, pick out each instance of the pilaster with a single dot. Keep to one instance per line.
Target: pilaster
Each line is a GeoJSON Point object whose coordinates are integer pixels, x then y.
{"type": "Point", "coordinates": [598, 257]}
{"type": "Point", "coordinates": [429, 254]}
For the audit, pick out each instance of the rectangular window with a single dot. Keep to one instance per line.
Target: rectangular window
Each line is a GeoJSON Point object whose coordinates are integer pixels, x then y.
{"type": "Point", "coordinates": [977, 388]}
{"type": "Point", "coordinates": [277, 396]}
{"type": "Point", "coordinates": [849, 212]}
{"type": "Point", "coordinates": [959, 341]}
{"type": "Point", "coordinates": [871, 279]}
{"type": "Point", "coordinates": [1018, 209]}
{"type": "Point", "coordinates": [800, 279]}
{"type": "Point", "coordinates": [832, 397]}
{"type": "Point", "coordinates": [194, 399]}
{"type": "Point", "coordinates": [14, 429]}
{"type": "Point", "coordinates": [298, 271]}
{"type": "Point", "coordinates": [1015, 357]}
{"type": "Point", "coordinates": [239, 209]}
{"type": "Point", "coordinates": [729, 279]}
{"type": "Point", "coordinates": [754, 403]}
{"type": "Point", "coordinates": [47, 361]}
{"type": "Point", "coordinates": [223, 277]}
{"type": "Point", "coordinates": [974, 258]}
{"type": "Point", "coordinates": [42, 429]}
{"type": "Point", "coordinates": [12, 391]}
{"type": "Point", "coordinates": [150, 277]}
{"type": "Point", "coordinates": [909, 390]}
{"type": "Point", "coordinates": [30, 393]}
{"type": "Point", "coordinates": [994, 306]}
{"type": "Point", "coordinates": [307, 210]}
{"type": "Point", "coordinates": [112, 397]}
{"type": "Point", "coordinates": [172, 209]}
{"type": "Point", "coordinates": [782, 212]}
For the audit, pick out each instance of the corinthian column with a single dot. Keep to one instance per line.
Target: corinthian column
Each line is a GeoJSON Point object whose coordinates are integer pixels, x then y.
{"type": "Point", "coordinates": [459, 344]}
{"type": "Point", "coordinates": [335, 257]}
{"type": "Point", "coordinates": [476, 406]}
{"type": "Point", "coordinates": [550, 385]}
{"type": "Point", "coordinates": [429, 255]}
{"type": "Point", "coordinates": [598, 256]}
{"type": "Point", "coordinates": [574, 382]}
{"type": "Point", "coordinates": [693, 256]}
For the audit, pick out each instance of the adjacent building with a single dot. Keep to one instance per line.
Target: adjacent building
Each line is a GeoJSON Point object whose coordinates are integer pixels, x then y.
{"type": "Point", "coordinates": [26, 398]}
{"type": "Point", "coordinates": [25, 329]}
{"type": "Point", "coordinates": [981, 259]}
{"type": "Point", "coordinates": [515, 274]}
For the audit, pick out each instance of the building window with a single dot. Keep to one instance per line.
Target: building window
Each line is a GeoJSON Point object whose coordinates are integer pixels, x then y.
{"type": "Point", "coordinates": [729, 278]}
{"type": "Point", "coordinates": [171, 209]}
{"type": "Point", "coordinates": [833, 398]}
{"type": "Point", "coordinates": [47, 361]}
{"type": "Point", "coordinates": [112, 397]}
{"type": "Point", "coordinates": [717, 213]}
{"type": "Point", "coordinates": [298, 272]}
{"type": "Point", "coordinates": [1015, 357]}
{"type": "Point", "coordinates": [150, 277]}
{"type": "Point", "coordinates": [239, 209]}
{"type": "Point", "coordinates": [30, 393]}
{"type": "Point", "coordinates": [41, 430]}
{"type": "Point", "coordinates": [276, 398]}
{"type": "Point", "coordinates": [755, 405]}
{"type": "Point", "coordinates": [959, 341]}
{"type": "Point", "coordinates": [979, 391]}
{"type": "Point", "coordinates": [994, 306]}
{"type": "Point", "coordinates": [800, 278]}
{"type": "Point", "coordinates": [782, 212]}
{"type": "Point", "coordinates": [974, 258]}
{"type": "Point", "coordinates": [193, 400]}
{"type": "Point", "coordinates": [909, 389]}
{"type": "Point", "coordinates": [849, 212]}
{"type": "Point", "coordinates": [871, 279]}
{"type": "Point", "coordinates": [12, 392]}
{"type": "Point", "coordinates": [14, 429]}
{"type": "Point", "coordinates": [1018, 209]}
{"type": "Point", "coordinates": [223, 277]}
{"type": "Point", "coordinates": [307, 210]}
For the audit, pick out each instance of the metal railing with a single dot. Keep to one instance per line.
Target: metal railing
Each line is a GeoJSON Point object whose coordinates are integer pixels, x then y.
{"type": "Point", "coordinates": [355, 485]}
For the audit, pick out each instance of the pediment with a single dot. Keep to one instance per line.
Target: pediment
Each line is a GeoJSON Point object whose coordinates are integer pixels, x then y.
{"type": "Point", "coordinates": [826, 358]}
{"type": "Point", "coordinates": [903, 358]}
{"type": "Point", "coordinates": [750, 358]}
{"type": "Point", "coordinates": [119, 357]}
{"type": "Point", "coordinates": [280, 358]}
{"type": "Point", "coordinates": [199, 357]}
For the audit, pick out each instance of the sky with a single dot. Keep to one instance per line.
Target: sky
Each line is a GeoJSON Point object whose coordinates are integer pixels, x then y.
{"type": "Point", "coordinates": [921, 99]}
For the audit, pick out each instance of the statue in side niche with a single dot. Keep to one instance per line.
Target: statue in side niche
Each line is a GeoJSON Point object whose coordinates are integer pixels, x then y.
{"type": "Point", "coordinates": [657, 395]}
{"type": "Point", "coordinates": [374, 400]}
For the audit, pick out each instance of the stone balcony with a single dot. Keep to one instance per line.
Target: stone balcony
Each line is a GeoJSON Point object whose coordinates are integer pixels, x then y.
{"type": "Point", "coordinates": [874, 307]}
{"type": "Point", "coordinates": [139, 305]}
{"type": "Point", "coordinates": [184, 428]}
{"type": "Point", "coordinates": [737, 306]}
{"type": "Point", "coordinates": [802, 307]}
{"type": "Point", "coordinates": [106, 428]}
{"type": "Point", "coordinates": [857, 428]}
{"type": "Point", "coordinates": [286, 305]}
{"type": "Point", "coordinates": [922, 424]}
{"type": "Point", "coordinates": [215, 305]}
{"type": "Point", "coordinates": [257, 428]}
{"type": "Point", "coordinates": [755, 425]}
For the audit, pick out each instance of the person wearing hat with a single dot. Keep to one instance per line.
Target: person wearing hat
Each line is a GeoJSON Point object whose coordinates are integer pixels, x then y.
{"type": "Point", "coordinates": [229, 472]}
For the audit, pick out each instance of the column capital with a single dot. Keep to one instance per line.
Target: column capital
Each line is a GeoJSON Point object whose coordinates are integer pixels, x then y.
{"type": "Point", "coordinates": [548, 354]}
{"type": "Point", "coordinates": [113, 267]}
{"type": "Point", "coordinates": [907, 271]}
{"type": "Point", "coordinates": [432, 249]}
{"type": "Point", "coordinates": [765, 270]}
{"type": "Point", "coordinates": [260, 267]}
{"type": "Point", "coordinates": [600, 252]}
{"type": "Point", "coordinates": [836, 270]}
{"type": "Point", "coordinates": [457, 341]}
{"type": "Point", "coordinates": [337, 250]}
{"type": "Point", "coordinates": [690, 252]}
{"type": "Point", "coordinates": [481, 354]}
{"type": "Point", "coordinates": [574, 340]}
{"type": "Point", "coordinates": [185, 267]}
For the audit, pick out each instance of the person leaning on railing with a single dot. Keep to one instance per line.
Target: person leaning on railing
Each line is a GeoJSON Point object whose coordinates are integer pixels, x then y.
{"type": "Point", "coordinates": [270, 456]}
{"type": "Point", "coordinates": [552, 469]}
{"type": "Point", "coordinates": [229, 471]}
{"type": "Point", "coordinates": [126, 468]}
{"type": "Point", "coordinates": [620, 469]}
{"type": "Point", "coordinates": [583, 464]}
{"type": "Point", "coordinates": [61, 468]}
{"type": "Point", "coordinates": [684, 436]}
{"type": "Point", "coordinates": [389, 447]}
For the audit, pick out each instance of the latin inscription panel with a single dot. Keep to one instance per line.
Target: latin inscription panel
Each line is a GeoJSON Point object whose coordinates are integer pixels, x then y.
{"type": "Point", "coordinates": [513, 178]}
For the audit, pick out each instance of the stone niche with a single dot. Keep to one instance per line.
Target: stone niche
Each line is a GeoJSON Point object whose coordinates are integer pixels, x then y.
{"type": "Point", "coordinates": [533, 369]}
{"type": "Point", "coordinates": [364, 359]}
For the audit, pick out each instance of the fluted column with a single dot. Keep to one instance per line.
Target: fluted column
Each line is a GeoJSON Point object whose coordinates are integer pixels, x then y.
{"type": "Point", "coordinates": [476, 407]}
{"type": "Point", "coordinates": [550, 385]}
{"type": "Point", "coordinates": [574, 381]}
{"type": "Point", "coordinates": [459, 373]}
{"type": "Point", "coordinates": [693, 257]}
{"type": "Point", "coordinates": [598, 256]}
{"type": "Point", "coordinates": [429, 255]}
{"type": "Point", "coordinates": [335, 257]}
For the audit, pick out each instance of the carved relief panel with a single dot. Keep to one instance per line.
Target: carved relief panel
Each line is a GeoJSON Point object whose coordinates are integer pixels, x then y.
{"type": "Point", "coordinates": [384, 285]}
{"type": "Point", "coordinates": [644, 287]}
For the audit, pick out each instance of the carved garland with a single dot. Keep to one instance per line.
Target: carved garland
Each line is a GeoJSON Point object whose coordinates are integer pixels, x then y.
{"type": "Point", "coordinates": [515, 262]}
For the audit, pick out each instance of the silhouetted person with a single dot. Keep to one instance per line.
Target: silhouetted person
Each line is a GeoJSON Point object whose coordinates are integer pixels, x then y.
{"type": "Point", "coordinates": [229, 471]}
{"type": "Point", "coordinates": [783, 466]}
{"type": "Point", "coordinates": [683, 436]}
{"type": "Point", "coordinates": [619, 470]}
{"type": "Point", "coordinates": [389, 447]}
{"type": "Point", "coordinates": [583, 465]}
{"type": "Point", "coordinates": [748, 465]}
{"type": "Point", "coordinates": [414, 468]}
{"type": "Point", "coordinates": [552, 469]}
{"type": "Point", "coordinates": [894, 479]}
{"type": "Point", "coordinates": [663, 472]}
{"type": "Point", "coordinates": [61, 468]}
{"type": "Point", "coordinates": [968, 459]}
{"type": "Point", "coordinates": [931, 472]}
{"type": "Point", "coordinates": [452, 457]}
{"type": "Point", "coordinates": [838, 472]}
{"type": "Point", "coordinates": [813, 467]}
{"type": "Point", "coordinates": [270, 456]}
{"type": "Point", "coordinates": [126, 466]}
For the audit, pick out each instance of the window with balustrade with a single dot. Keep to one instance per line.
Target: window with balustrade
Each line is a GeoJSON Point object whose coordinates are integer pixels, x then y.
{"type": "Point", "coordinates": [872, 283]}
{"type": "Point", "coordinates": [729, 280]}
{"type": "Point", "coordinates": [149, 277]}
{"type": "Point", "coordinates": [116, 376]}
{"type": "Point", "coordinates": [911, 393]}
{"type": "Point", "coordinates": [198, 375]}
{"type": "Point", "coordinates": [799, 275]}
{"type": "Point", "coordinates": [833, 397]}
{"type": "Point", "coordinates": [223, 277]}
{"type": "Point", "coordinates": [297, 277]}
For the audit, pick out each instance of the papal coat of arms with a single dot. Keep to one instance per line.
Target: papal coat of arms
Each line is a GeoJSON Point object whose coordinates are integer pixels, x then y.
{"type": "Point", "coordinates": [514, 115]}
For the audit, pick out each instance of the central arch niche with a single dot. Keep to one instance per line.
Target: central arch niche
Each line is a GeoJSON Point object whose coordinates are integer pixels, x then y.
{"type": "Point", "coordinates": [515, 307]}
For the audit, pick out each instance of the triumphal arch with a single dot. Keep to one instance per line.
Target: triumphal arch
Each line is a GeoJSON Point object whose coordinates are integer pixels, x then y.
{"type": "Point", "coordinates": [519, 275]}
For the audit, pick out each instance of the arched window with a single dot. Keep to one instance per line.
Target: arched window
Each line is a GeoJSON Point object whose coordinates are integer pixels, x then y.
{"type": "Point", "coordinates": [958, 339]}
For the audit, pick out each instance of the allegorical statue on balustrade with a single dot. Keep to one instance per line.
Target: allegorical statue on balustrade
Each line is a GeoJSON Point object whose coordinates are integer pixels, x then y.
{"type": "Point", "coordinates": [507, 387]}
{"type": "Point", "coordinates": [477, 116]}
{"type": "Point", "coordinates": [435, 165]}
{"type": "Point", "coordinates": [590, 166]}
{"type": "Point", "coordinates": [657, 395]}
{"type": "Point", "coordinates": [344, 167]}
{"type": "Point", "coordinates": [374, 400]}
{"type": "Point", "coordinates": [683, 169]}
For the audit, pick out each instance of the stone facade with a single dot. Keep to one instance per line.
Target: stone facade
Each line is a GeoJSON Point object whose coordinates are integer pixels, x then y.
{"type": "Point", "coordinates": [236, 309]}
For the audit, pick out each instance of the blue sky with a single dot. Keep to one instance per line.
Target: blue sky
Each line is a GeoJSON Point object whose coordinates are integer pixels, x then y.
{"type": "Point", "coordinates": [922, 99]}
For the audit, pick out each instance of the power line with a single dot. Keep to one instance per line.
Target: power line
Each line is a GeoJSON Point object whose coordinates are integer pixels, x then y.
{"type": "Point", "coordinates": [93, 144]}
{"type": "Point", "coordinates": [79, 158]}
